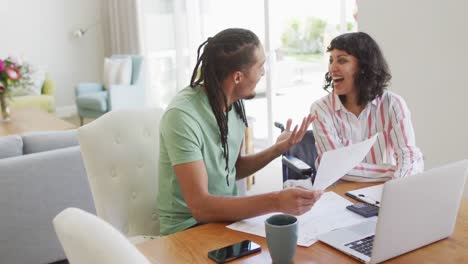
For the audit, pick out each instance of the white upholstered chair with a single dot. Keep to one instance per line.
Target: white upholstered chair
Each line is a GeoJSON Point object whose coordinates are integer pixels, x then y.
{"type": "Point", "coordinates": [86, 238]}
{"type": "Point", "coordinates": [121, 152]}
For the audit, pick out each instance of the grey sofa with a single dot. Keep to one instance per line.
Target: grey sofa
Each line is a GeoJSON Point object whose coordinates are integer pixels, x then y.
{"type": "Point", "coordinates": [41, 174]}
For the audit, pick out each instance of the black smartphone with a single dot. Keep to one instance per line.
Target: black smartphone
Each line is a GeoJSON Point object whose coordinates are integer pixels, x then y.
{"type": "Point", "coordinates": [234, 251]}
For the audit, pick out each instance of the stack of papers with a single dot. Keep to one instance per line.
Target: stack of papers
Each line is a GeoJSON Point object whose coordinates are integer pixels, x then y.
{"type": "Point", "coordinates": [327, 214]}
{"type": "Point", "coordinates": [330, 211]}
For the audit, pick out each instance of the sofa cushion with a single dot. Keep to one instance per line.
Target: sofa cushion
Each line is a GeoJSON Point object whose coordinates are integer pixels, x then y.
{"type": "Point", "coordinates": [34, 86]}
{"type": "Point", "coordinates": [48, 140]}
{"type": "Point", "coordinates": [117, 70]}
{"type": "Point", "coordinates": [11, 146]}
{"type": "Point", "coordinates": [49, 86]}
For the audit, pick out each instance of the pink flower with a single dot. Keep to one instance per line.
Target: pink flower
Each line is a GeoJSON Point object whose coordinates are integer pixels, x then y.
{"type": "Point", "coordinates": [2, 66]}
{"type": "Point", "coordinates": [13, 73]}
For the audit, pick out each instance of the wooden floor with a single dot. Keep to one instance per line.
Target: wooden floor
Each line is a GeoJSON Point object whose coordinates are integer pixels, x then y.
{"type": "Point", "coordinates": [74, 119]}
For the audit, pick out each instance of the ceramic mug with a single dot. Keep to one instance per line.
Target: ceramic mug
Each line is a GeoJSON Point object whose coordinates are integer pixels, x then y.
{"type": "Point", "coordinates": [281, 236]}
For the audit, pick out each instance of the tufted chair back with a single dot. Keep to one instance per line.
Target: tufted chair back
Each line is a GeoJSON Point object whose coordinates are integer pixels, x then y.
{"type": "Point", "coordinates": [86, 238]}
{"type": "Point", "coordinates": [121, 152]}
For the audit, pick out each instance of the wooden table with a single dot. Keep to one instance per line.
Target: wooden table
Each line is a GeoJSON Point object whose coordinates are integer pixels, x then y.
{"type": "Point", "coordinates": [27, 119]}
{"type": "Point", "coordinates": [192, 245]}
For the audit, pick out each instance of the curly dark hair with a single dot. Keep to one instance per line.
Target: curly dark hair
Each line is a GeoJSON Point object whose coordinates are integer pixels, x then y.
{"type": "Point", "coordinates": [228, 51]}
{"type": "Point", "coordinates": [373, 75]}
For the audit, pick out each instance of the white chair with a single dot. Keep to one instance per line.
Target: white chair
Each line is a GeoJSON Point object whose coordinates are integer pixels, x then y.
{"type": "Point", "coordinates": [121, 152]}
{"type": "Point", "coordinates": [86, 238]}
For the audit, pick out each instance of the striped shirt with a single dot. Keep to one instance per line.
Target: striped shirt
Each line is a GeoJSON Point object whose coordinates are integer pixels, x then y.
{"type": "Point", "coordinates": [394, 154]}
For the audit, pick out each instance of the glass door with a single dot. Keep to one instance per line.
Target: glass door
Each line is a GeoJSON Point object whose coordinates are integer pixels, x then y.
{"type": "Point", "coordinates": [300, 31]}
{"type": "Point", "coordinates": [295, 34]}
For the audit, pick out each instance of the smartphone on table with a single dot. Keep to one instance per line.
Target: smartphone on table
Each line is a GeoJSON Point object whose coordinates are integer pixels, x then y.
{"type": "Point", "coordinates": [234, 251]}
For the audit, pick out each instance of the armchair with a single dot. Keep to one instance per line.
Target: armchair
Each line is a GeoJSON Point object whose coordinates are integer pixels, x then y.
{"type": "Point", "coordinates": [93, 100]}
{"type": "Point", "coordinates": [45, 100]}
{"type": "Point", "coordinates": [120, 152]}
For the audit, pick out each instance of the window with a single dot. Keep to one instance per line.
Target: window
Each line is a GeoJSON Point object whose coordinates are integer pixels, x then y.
{"type": "Point", "coordinates": [295, 34]}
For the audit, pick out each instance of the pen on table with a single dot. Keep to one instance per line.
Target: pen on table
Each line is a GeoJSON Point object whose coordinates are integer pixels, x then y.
{"type": "Point", "coordinates": [368, 197]}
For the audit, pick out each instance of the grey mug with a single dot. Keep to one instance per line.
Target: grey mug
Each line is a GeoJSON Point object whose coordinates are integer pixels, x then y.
{"type": "Point", "coordinates": [281, 236]}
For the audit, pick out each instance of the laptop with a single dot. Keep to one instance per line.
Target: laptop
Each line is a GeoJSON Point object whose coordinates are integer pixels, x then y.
{"type": "Point", "coordinates": [423, 205]}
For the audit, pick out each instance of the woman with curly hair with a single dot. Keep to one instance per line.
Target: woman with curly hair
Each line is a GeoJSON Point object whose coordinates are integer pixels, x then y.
{"type": "Point", "coordinates": [359, 106]}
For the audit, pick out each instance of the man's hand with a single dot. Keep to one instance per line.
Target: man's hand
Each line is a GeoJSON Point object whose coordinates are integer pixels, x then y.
{"type": "Point", "coordinates": [297, 201]}
{"type": "Point", "coordinates": [287, 139]}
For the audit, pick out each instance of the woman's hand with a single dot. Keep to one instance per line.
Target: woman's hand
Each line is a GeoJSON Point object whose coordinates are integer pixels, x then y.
{"type": "Point", "coordinates": [287, 139]}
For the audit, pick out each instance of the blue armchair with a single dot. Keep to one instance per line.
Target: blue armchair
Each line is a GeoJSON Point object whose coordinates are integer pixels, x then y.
{"type": "Point", "coordinates": [92, 100]}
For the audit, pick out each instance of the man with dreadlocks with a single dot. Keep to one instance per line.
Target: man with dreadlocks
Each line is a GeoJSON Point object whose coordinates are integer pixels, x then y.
{"type": "Point", "coordinates": [201, 138]}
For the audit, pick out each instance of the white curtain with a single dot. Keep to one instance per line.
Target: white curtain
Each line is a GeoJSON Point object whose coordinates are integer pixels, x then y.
{"type": "Point", "coordinates": [171, 33]}
{"type": "Point", "coordinates": [172, 30]}
{"type": "Point", "coordinates": [121, 21]}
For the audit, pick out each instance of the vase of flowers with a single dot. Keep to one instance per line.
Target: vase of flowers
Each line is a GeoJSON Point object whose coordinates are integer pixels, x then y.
{"type": "Point", "coordinates": [5, 109]}
{"type": "Point", "coordinates": [13, 75]}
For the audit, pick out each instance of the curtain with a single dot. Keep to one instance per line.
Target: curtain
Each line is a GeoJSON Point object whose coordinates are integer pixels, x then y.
{"type": "Point", "coordinates": [172, 30]}
{"type": "Point", "coordinates": [171, 33]}
{"type": "Point", "coordinates": [121, 22]}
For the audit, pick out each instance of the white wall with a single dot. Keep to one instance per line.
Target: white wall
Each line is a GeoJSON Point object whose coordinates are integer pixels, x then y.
{"type": "Point", "coordinates": [426, 45]}
{"type": "Point", "coordinates": [41, 32]}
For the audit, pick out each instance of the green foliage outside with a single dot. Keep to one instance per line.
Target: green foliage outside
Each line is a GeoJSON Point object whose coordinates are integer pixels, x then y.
{"type": "Point", "coordinates": [304, 40]}
{"type": "Point", "coordinates": [349, 26]}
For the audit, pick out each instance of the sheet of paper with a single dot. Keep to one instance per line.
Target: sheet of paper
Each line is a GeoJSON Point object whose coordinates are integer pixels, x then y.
{"type": "Point", "coordinates": [370, 195]}
{"type": "Point", "coordinates": [327, 214]}
{"type": "Point", "coordinates": [336, 163]}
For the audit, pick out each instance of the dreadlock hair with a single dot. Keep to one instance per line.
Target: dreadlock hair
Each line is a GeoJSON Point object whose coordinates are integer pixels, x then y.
{"type": "Point", "coordinates": [373, 75]}
{"type": "Point", "coordinates": [228, 51]}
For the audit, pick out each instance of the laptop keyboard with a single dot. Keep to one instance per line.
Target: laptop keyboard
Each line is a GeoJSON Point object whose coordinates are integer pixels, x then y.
{"type": "Point", "coordinates": [363, 246]}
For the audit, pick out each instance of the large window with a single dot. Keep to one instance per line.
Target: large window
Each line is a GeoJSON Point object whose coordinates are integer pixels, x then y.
{"type": "Point", "coordinates": [295, 34]}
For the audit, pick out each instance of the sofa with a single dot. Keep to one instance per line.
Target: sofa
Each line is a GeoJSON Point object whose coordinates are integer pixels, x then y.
{"type": "Point", "coordinates": [45, 100]}
{"type": "Point", "coordinates": [41, 173]}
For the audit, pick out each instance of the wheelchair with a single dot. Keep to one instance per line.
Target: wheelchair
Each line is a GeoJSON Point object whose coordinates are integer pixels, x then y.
{"type": "Point", "coordinates": [298, 163]}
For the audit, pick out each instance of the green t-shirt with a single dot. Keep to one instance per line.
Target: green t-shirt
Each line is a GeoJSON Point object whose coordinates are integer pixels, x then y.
{"type": "Point", "coordinates": [189, 132]}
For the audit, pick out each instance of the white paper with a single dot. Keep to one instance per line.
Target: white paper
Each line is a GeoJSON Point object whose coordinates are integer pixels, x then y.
{"type": "Point", "coordinates": [336, 163]}
{"type": "Point", "coordinates": [370, 195]}
{"type": "Point", "coordinates": [327, 214]}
